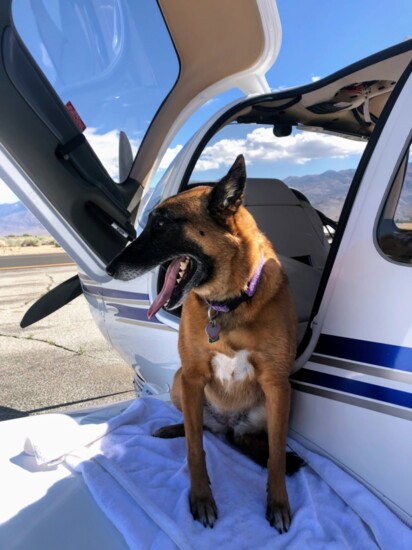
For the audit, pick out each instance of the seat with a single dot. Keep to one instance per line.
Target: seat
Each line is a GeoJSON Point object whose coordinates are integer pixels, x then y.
{"type": "Point", "coordinates": [294, 228]}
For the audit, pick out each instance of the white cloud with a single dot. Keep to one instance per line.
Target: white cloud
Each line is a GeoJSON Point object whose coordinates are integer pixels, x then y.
{"type": "Point", "coordinates": [6, 195]}
{"type": "Point", "coordinates": [315, 78]}
{"type": "Point", "coordinates": [278, 88]}
{"type": "Point", "coordinates": [106, 147]}
{"type": "Point", "coordinates": [170, 154]}
{"type": "Point", "coordinates": [209, 102]}
{"type": "Point", "coordinates": [262, 146]}
{"type": "Point", "coordinates": [45, 58]}
{"type": "Point", "coordinates": [221, 153]}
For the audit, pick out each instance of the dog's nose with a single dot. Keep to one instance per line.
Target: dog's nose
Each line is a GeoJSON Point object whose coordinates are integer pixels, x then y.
{"type": "Point", "coordinates": [111, 270]}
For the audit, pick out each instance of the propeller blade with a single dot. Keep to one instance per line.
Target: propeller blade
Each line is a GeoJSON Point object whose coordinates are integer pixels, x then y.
{"type": "Point", "coordinates": [52, 301]}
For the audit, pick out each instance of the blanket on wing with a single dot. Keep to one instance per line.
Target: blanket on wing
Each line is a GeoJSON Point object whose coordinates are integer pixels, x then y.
{"type": "Point", "coordinates": [142, 484]}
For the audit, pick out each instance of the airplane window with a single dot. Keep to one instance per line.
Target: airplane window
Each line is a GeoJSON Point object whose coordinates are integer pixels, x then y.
{"type": "Point", "coordinates": [395, 225]}
{"type": "Point", "coordinates": [103, 59]}
{"type": "Point", "coordinates": [317, 166]}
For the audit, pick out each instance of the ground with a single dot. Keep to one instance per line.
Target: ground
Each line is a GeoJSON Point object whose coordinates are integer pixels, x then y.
{"type": "Point", "coordinates": [60, 362]}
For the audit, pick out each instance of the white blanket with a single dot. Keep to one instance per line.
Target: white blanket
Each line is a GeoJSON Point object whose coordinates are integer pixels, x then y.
{"type": "Point", "coordinates": [142, 484]}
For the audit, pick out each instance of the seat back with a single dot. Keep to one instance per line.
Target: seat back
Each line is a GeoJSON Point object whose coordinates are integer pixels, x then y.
{"type": "Point", "coordinates": [294, 228]}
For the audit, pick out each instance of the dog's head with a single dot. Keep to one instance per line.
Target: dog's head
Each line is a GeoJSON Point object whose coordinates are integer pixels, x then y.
{"type": "Point", "coordinates": [197, 231]}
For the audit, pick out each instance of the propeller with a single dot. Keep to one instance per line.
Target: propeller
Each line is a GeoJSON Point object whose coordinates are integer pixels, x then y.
{"type": "Point", "coordinates": [56, 298]}
{"type": "Point", "coordinates": [125, 157]}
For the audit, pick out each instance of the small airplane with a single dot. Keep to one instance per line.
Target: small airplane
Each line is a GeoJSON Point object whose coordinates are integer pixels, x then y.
{"type": "Point", "coordinates": [350, 277]}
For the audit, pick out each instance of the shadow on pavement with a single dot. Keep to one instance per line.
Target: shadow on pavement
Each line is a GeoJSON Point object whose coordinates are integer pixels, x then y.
{"type": "Point", "coordinates": [6, 413]}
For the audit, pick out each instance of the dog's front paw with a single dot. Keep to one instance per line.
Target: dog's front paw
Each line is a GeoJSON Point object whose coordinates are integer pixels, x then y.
{"type": "Point", "coordinates": [203, 508]}
{"type": "Point", "coordinates": [278, 515]}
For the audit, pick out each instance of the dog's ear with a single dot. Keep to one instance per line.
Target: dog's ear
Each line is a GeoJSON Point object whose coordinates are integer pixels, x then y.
{"type": "Point", "coordinates": [227, 194]}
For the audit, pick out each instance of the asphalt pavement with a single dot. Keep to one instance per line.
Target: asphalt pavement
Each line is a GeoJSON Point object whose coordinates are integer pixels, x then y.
{"type": "Point", "coordinates": [61, 362]}
{"type": "Point", "coordinates": [35, 260]}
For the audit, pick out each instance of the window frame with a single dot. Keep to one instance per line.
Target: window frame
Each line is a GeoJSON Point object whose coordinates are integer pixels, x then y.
{"type": "Point", "coordinates": [393, 193]}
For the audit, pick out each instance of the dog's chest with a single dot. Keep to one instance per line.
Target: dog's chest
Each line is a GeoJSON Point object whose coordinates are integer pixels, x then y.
{"type": "Point", "coordinates": [231, 370]}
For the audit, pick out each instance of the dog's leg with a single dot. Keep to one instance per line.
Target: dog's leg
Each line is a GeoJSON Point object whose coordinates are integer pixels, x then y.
{"type": "Point", "coordinates": [202, 503]}
{"type": "Point", "coordinates": [170, 432]}
{"type": "Point", "coordinates": [174, 430]}
{"type": "Point", "coordinates": [255, 445]}
{"type": "Point", "coordinates": [277, 399]}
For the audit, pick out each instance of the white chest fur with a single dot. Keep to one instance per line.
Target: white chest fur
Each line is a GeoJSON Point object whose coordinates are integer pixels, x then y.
{"type": "Point", "coordinates": [229, 370]}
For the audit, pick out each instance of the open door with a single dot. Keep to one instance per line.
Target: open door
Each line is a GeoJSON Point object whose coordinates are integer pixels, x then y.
{"type": "Point", "coordinates": [45, 157]}
{"type": "Point", "coordinates": [75, 74]}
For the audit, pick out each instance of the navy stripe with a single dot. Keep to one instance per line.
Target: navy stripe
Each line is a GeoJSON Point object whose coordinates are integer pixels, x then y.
{"type": "Point", "coordinates": [383, 355]}
{"type": "Point", "coordinates": [380, 393]}
{"type": "Point", "coordinates": [134, 313]}
{"type": "Point", "coordinates": [112, 293]}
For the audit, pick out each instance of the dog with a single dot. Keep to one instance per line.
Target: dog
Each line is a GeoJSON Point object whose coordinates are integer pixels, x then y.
{"type": "Point", "coordinates": [237, 336]}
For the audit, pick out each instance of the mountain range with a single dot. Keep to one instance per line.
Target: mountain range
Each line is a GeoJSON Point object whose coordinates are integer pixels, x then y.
{"type": "Point", "coordinates": [16, 219]}
{"type": "Point", "coordinates": [326, 192]}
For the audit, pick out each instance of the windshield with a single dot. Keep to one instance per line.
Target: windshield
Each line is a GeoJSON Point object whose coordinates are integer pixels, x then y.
{"type": "Point", "coordinates": [111, 62]}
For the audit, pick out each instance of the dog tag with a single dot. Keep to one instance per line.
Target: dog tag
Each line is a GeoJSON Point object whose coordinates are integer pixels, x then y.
{"type": "Point", "coordinates": [213, 331]}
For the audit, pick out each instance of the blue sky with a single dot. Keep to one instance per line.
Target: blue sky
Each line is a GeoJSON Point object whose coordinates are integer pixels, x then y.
{"type": "Point", "coordinates": [319, 37]}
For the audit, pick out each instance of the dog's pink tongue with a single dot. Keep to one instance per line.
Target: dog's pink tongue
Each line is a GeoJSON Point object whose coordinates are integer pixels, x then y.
{"type": "Point", "coordinates": [168, 286]}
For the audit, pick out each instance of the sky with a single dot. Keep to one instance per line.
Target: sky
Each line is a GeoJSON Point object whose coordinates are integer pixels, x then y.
{"type": "Point", "coordinates": [319, 38]}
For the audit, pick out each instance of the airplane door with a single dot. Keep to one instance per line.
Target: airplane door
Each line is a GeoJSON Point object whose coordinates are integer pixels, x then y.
{"type": "Point", "coordinates": [370, 281]}
{"type": "Point", "coordinates": [77, 76]}
{"type": "Point", "coordinates": [57, 160]}
{"type": "Point", "coordinates": [353, 398]}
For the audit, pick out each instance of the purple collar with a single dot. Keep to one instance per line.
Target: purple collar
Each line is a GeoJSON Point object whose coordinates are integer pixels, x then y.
{"type": "Point", "coordinates": [230, 305]}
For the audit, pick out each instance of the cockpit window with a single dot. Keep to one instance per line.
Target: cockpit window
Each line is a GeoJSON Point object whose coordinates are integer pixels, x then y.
{"type": "Point", "coordinates": [112, 63]}
{"type": "Point", "coordinates": [395, 224]}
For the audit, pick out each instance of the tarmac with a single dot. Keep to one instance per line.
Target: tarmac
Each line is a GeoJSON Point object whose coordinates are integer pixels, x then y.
{"type": "Point", "coordinates": [61, 362]}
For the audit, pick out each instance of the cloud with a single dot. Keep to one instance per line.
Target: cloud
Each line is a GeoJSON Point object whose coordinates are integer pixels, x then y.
{"type": "Point", "coordinates": [210, 102]}
{"type": "Point", "coordinates": [106, 147]}
{"type": "Point", "coordinates": [279, 88]}
{"type": "Point", "coordinates": [6, 195]}
{"type": "Point", "coordinates": [262, 146]}
{"type": "Point", "coordinates": [315, 78]}
{"type": "Point", "coordinates": [221, 153]}
{"type": "Point", "coordinates": [169, 156]}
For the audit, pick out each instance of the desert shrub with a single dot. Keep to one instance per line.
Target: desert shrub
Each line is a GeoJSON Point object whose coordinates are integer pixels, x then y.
{"type": "Point", "coordinates": [27, 240]}
{"type": "Point", "coordinates": [49, 241]}
{"type": "Point", "coordinates": [30, 241]}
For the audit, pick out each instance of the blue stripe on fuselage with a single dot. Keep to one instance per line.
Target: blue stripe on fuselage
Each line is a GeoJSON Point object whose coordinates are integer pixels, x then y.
{"type": "Point", "coordinates": [347, 385]}
{"type": "Point", "coordinates": [134, 313]}
{"type": "Point", "coordinates": [113, 293]}
{"type": "Point", "coordinates": [363, 351]}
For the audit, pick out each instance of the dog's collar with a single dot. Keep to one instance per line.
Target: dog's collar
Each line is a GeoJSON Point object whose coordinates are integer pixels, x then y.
{"type": "Point", "coordinates": [229, 305]}
{"type": "Point", "coordinates": [213, 328]}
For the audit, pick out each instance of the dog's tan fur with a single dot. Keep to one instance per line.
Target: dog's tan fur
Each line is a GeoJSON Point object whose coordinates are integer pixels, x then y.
{"type": "Point", "coordinates": [264, 326]}
{"type": "Point", "coordinates": [239, 384]}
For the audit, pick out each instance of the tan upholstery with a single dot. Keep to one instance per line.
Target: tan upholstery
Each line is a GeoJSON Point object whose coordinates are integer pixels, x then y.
{"type": "Point", "coordinates": [296, 232]}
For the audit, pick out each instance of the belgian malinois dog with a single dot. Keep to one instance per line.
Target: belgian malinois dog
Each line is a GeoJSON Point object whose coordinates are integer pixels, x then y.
{"type": "Point", "coordinates": [237, 336]}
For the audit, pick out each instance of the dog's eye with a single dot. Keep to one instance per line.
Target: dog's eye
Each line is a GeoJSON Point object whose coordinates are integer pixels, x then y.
{"type": "Point", "coordinates": [159, 222]}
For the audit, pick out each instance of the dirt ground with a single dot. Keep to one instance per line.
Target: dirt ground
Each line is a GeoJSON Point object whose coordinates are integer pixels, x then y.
{"type": "Point", "coordinates": [43, 249]}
